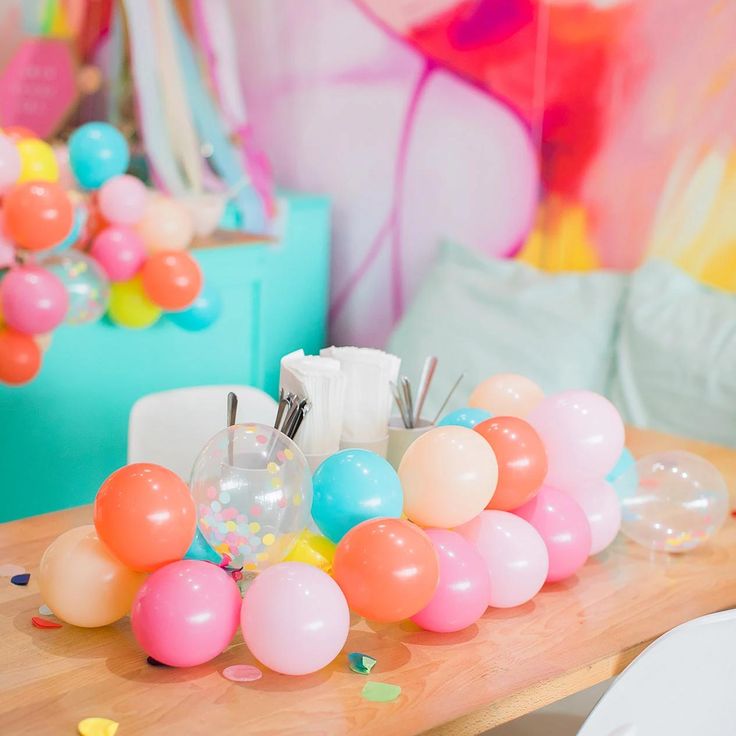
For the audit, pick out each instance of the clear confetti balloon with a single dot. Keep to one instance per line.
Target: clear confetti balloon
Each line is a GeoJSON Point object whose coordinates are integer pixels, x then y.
{"type": "Point", "coordinates": [672, 501]}
{"type": "Point", "coordinates": [253, 492]}
{"type": "Point", "coordinates": [86, 284]}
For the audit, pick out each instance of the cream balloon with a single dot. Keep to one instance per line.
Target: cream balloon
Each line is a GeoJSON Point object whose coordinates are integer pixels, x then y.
{"type": "Point", "coordinates": [448, 477]}
{"type": "Point", "coordinates": [506, 395]}
{"type": "Point", "coordinates": [166, 225]}
{"type": "Point", "coordinates": [83, 583]}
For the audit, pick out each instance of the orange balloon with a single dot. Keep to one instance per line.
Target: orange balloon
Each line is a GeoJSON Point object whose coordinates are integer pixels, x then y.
{"type": "Point", "coordinates": [20, 357]}
{"type": "Point", "coordinates": [145, 514]}
{"type": "Point", "coordinates": [38, 214]}
{"type": "Point", "coordinates": [172, 279]}
{"type": "Point", "coordinates": [18, 132]}
{"type": "Point", "coordinates": [387, 568]}
{"type": "Point", "coordinates": [521, 457]}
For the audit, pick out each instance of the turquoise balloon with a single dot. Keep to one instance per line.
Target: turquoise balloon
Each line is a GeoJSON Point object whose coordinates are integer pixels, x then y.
{"type": "Point", "coordinates": [204, 311]}
{"type": "Point", "coordinates": [200, 549]}
{"type": "Point", "coordinates": [353, 486]}
{"type": "Point", "coordinates": [624, 477]}
{"type": "Point", "coordinates": [97, 152]}
{"type": "Point", "coordinates": [465, 417]}
{"type": "Point", "coordinates": [79, 221]}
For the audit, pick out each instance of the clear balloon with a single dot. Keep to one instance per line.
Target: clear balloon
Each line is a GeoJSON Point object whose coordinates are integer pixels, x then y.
{"type": "Point", "coordinates": [387, 568]}
{"type": "Point", "coordinates": [465, 417]}
{"type": "Point", "coordinates": [97, 152]}
{"type": "Point", "coordinates": [514, 554]}
{"type": "Point", "coordinates": [9, 163]}
{"type": "Point", "coordinates": [506, 394]}
{"type": "Point", "coordinates": [464, 587]}
{"type": "Point", "coordinates": [449, 475]}
{"type": "Point", "coordinates": [20, 357]}
{"type": "Point", "coordinates": [352, 486]}
{"type": "Point", "coordinates": [166, 225]}
{"type": "Point", "coordinates": [583, 434]}
{"type": "Point", "coordinates": [33, 300]}
{"type": "Point", "coordinates": [563, 526]}
{"type": "Point", "coordinates": [122, 199]}
{"type": "Point", "coordinates": [204, 311]}
{"type": "Point", "coordinates": [85, 283]}
{"type": "Point", "coordinates": [295, 618]}
{"type": "Point", "coordinates": [186, 613]}
{"type": "Point", "coordinates": [83, 583]}
{"type": "Point", "coordinates": [253, 492]}
{"type": "Point", "coordinates": [603, 510]}
{"type": "Point", "coordinates": [681, 500]}
{"type": "Point", "coordinates": [129, 305]}
{"type": "Point", "coordinates": [120, 252]}
{"type": "Point", "coordinates": [143, 512]}
{"type": "Point", "coordinates": [37, 161]}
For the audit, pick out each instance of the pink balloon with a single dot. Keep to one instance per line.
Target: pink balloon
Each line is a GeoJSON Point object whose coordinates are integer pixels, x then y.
{"type": "Point", "coordinates": [295, 618]}
{"type": "Point", "coordinates": [120, 252]}
{"type": "Point", "coordinates": [583, 434]}
{"type": "Point", "coordinates": [601, 506]}
{"type": "Point", "coordinates": [514, 554]}
{"type": "Point", "coordinates": [122, 199]}
{"type": "Point", "coordinates": [562, 525]}
{"type": "Point", "coordinates": [463, 590]}
{"type": "Point", "coordinates": [186, 613]}
{"type": "Point", "coordinates": [9, 163]}
{"type": "Point", "coordinates": [33, 300]}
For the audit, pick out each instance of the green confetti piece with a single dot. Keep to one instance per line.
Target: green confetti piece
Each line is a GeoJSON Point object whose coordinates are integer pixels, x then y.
{"type": "Point", "coordinates": [380, 692]}
{"type": "Point", "coordinates": [361, 663]}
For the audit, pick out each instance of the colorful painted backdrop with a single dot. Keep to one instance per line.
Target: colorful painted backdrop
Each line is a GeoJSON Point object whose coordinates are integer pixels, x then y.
{"type": "Point", "coordinates": [572, 134]}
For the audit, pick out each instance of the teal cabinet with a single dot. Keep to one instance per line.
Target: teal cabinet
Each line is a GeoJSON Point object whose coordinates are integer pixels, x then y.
{"type": "Point", "coordinates": [63, 433]}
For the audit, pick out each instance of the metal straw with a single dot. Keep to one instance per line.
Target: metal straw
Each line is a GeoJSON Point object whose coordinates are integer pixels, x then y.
{"type": "Point", "coordinates": [430, 364]}
{"type": "Point", "coordinates": [232, 410]}
{"type": "Point", "coordinates": [406, 388]}
{"type": "Point", "coordinates": [449, 396]}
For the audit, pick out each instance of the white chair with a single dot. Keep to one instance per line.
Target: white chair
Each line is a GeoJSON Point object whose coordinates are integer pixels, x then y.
{"type": "Point", "coordinates": [681, 684]}
{"type": "Point", "coordinates": [171, 427]}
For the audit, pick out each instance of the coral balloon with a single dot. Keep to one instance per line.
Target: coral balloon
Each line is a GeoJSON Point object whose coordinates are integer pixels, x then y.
{"type": "Point", "coordinates": [37, 161]}
{"type": "Point", "coordinates": [514, 554]}
{"type": "Point", "coordinates": [295, 618]}
{"type": "Point", "coordinates": [464, 587]}
{"type": "Point", "coordinates": [129, 305]}
{"type": "Point", "coordinates": [33, 300]}
{"type": "Point", "coordinates": [171, 279]}
{"type": "Point", "coordinates": [83, 583]}
{"type": "Point", "coordinates": [18, 132]}
{"type": "Point", "coordinates": [9, 163]}
{"type": "Point", "coordinates": [506, 394]}
{"type": "Point", "coordinates": [38, 215]}
{"type": "Point", "coordinates": [387, 568]}
{"type": "Point", "coordinates": [582, 433]}
{"type": "Point", "coordinates": [522, 460]}
{"type": "Point", "coordinates": [120, 252]}
{"type": "Point", "coordinates": [166, 225]}
{"type": "Point", "coordinates": [20, 357]}
{"type": "Point", "coordinates": [602, 508]}
{"type": "Point", "coordinates": [448, 475]}
{"type": "Point", "coordinates": [186, 613]}
{"type": "Point", "coordinates": [122, 199]}
{"type": "Point", "coordinates": [563, 526]}
{"type": "Point", "coordinates": [145, 514]}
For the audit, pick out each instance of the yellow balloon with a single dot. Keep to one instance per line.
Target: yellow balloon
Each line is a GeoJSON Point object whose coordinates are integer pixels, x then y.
{"type": "Point", "coordinates": [129, 305]}
{"type": "Point", "coordinates": [314, 549]}
{"type": "Point", "coordinates": [83, 583]}
{"type": "Point", "coordinates": [37, 161]}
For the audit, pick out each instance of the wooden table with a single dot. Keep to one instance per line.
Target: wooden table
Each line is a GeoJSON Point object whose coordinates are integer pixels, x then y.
{"type": "Point", "coordinates": [572, 635]}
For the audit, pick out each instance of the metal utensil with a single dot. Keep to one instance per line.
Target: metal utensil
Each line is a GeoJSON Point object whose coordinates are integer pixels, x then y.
{"type": "Point", "coordinates": [400, 403]}
{"type": "Point", "coordinates": [430, 365]}
{"type": "Point", "coordinates": [232, 410]}
{"type": "Point", "coordinates": [449, 396]}
{"type": "Point", "coordinates": [406, 388]}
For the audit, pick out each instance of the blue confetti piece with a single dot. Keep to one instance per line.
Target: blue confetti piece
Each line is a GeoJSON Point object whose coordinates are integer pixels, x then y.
{"type": "Point", "coordinates": [21, 579]}
{"type": "Point", "coordinates": [361, 663]}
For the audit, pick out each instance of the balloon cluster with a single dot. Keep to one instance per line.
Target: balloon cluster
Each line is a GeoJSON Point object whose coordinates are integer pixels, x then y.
{"type": "Point", "coordinates": [80, 238]}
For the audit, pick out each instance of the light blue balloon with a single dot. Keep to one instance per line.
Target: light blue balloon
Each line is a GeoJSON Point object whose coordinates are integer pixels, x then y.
{"type": "Point", "coordinates": [352, 486]}
{"type": "Point", "coordinates": [624, 477]}
{"type": "Point", "coordinates": [465, 417]}
{"type": "Point", "coordinates": [204, 312]}
{"type": "Point", "coordinates": [97, 152]}
{"type": "Point", "coordinates": [200, 549]}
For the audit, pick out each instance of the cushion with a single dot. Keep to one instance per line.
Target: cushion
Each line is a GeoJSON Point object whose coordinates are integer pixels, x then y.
{"type": "Point", "coordinates": [482, 316]}
{"type": "Point", "coordinates": [676, 356]}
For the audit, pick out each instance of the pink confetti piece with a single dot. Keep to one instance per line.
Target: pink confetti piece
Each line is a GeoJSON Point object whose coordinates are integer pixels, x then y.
{"type": "Point", "coordinates": [242, 673]}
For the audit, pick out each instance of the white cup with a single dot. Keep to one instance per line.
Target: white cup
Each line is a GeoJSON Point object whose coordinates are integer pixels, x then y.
{"type": "Point", "coordinates": [399, 438]}
{"type": "Point", "coordinates": [379, 446]}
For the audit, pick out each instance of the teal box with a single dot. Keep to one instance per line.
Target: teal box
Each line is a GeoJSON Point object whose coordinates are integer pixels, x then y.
{"type": "Point", "coordinates": [62, 434]}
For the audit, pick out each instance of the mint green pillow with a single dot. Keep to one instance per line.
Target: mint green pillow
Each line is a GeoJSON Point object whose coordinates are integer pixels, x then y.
{"type": "Point", "coordinates": [676, 356]}
{"type": "Point", "coordinates": [482, 316]}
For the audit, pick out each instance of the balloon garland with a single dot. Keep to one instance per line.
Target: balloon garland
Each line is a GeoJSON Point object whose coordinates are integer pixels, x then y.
{"type": "Point", "coordinates": [111, 246]}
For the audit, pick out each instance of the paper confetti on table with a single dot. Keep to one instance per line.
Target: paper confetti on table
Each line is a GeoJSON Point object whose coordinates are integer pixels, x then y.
{"type": "Point", "coordinates": [44, 610]}
{"type": "Point", "coordinates": [380, 692]}
{"type": "Point", "coordinates": [9, 570]}
{"type": "Point", "coordinates": [361, 663]}
{"type": "Point", "coordinates": [242, 673]}
{"type": "Point", "coordinates": [21, 579]}
{"type": "Point", "coordinates": [44, 623]}
{"type": "Point", "coordinates": [155, 663]}
{"type": "Point", "coordinates": [97, 727]}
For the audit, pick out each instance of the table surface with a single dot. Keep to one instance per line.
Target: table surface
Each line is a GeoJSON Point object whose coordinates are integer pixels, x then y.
{"type": "Point", "coordinates": [571, 636]}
